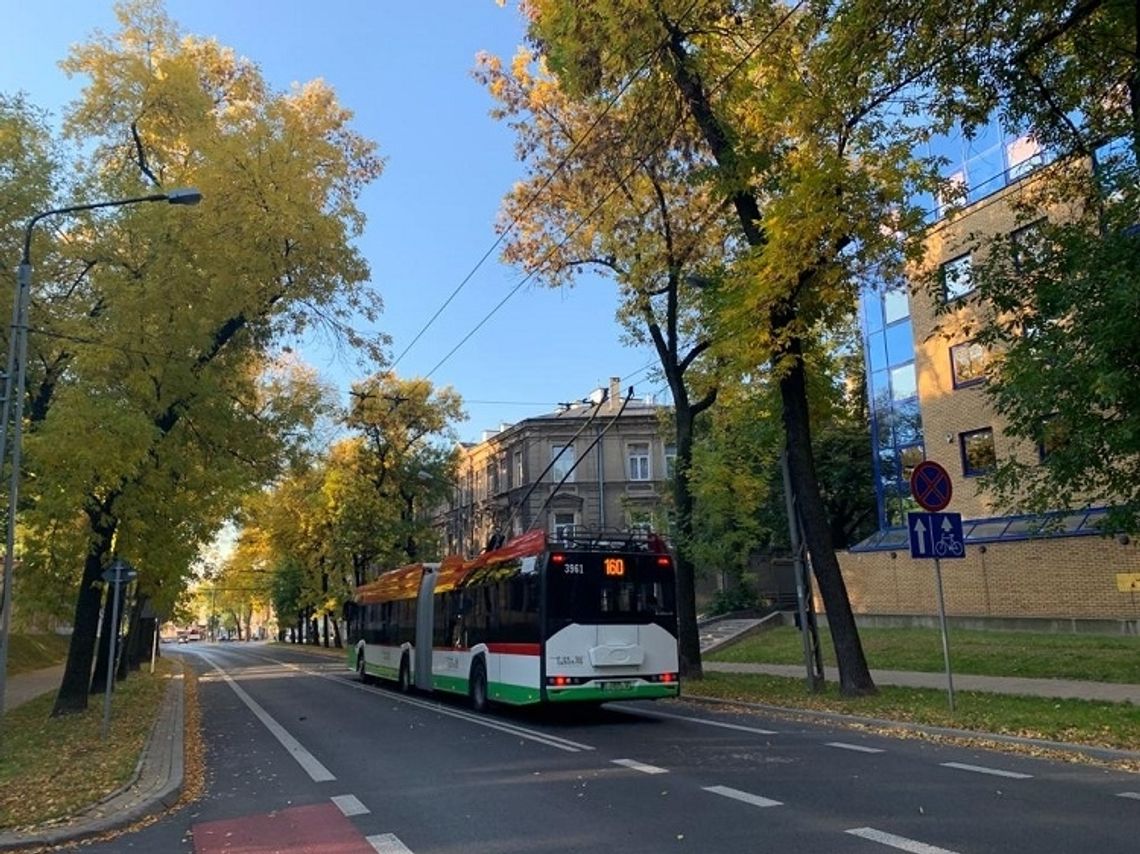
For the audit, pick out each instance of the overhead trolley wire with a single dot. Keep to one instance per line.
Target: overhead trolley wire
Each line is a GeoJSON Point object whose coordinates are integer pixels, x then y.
{"type": "Point", "coordinates": [791, 11]}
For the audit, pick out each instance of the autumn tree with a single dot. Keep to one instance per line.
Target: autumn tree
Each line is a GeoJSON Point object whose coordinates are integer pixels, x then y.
{"type": "Point", "coordinates": [152, 401]}
{"type": "Point", "coordinates": [809, 117]}
{"type": "Point", "coordinates": [609, 192]}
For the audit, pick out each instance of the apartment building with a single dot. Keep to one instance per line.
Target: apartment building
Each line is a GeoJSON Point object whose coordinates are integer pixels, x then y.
{"type": "Point", "coordinates": [927, 401]}
{"type": "Point", "coordinates": [584, 465]}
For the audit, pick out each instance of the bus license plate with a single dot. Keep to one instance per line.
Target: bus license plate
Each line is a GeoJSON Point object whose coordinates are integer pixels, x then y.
{"type": "Point", "coordinates": [617, 686]}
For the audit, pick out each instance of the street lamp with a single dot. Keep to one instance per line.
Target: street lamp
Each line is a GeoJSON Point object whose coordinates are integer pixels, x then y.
{"type": "Point", "coordinates": [17, 357]}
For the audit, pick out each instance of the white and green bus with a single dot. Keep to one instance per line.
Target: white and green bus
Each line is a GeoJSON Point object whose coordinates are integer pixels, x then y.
{"type": "Point", "coordinates": [589, 617]}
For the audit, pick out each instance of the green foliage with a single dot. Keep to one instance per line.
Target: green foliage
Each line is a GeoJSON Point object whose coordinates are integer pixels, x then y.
{"type": "Point", "coordinates": [738, 596]}
{"type": "Point", "coordinates": [33, 651]}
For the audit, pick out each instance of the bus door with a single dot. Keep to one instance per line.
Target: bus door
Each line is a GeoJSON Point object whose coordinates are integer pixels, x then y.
{"type": "Point", "coordinates": [424, 619]}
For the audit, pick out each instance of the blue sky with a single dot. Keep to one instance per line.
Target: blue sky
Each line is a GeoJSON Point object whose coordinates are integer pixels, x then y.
{"type": "Point", "coordinates": [404, 69]}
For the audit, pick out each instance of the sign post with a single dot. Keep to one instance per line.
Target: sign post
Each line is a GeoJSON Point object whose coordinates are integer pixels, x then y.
{"type": "Point", "coordinates": [936, 535]}
{"type": "Point", "coordinates": [119, 572]}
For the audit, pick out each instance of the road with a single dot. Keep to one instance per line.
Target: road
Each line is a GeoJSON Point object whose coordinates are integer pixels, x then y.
{"type": "Point", "coordinates": [302, 757]}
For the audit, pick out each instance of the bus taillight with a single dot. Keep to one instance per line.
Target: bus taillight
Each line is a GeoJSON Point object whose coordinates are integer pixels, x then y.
{"type": "Point", "coordinates": [664, 561]}
{"type": "Point", "coordinates": [558, 557]}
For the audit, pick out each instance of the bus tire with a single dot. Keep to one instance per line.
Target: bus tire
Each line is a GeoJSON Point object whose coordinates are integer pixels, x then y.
{"type": "Point", "coordinates": [478, 685]}
{"type": "Point", "coordinates": [405, 678]}
{"type": "Point", "coordinates": [360, 668]}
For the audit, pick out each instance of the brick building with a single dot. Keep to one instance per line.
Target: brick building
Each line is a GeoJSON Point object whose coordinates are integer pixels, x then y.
{"type": "Point", "coordinates": [927, 401]}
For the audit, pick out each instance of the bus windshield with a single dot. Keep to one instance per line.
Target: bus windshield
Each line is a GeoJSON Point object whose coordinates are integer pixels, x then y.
{"type": "Point", "coordinates": [589, 588]}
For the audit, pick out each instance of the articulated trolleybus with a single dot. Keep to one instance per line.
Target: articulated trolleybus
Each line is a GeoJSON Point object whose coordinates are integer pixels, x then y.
{"type": "Point", "coordinates": [589, 617]}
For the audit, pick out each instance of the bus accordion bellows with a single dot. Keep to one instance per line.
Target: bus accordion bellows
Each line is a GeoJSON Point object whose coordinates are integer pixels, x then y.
{"type": "Point", "coordinates": [587, 617]}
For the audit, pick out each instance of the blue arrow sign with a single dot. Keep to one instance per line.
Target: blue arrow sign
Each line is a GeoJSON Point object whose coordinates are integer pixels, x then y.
{"type": "Point", "coordinates": [936, 535]}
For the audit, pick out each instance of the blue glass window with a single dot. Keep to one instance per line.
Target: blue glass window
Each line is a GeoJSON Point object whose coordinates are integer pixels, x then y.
{"type": "Point", "coordinates": [900, 343]}
{"type": "Point", "coordinates": [896, 304]}
{"type": "Point", "coordinates": [873, 310]}
{"type": "Point", "coordinates": [957, 277]}
{"type": "Point", "coordinates": [876, 351]}
{"type": "Point", "coordinates": [907, 422]}
{"type": "Point", "coordinates": [903, 382]}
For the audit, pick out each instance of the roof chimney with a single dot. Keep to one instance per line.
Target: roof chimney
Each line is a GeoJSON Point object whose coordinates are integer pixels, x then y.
{"type": "Point", "coordinates": [615, 394]}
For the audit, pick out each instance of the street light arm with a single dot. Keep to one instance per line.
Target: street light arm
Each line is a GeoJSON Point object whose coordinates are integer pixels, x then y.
{"type": "Point", "coordinates": [188, 196]}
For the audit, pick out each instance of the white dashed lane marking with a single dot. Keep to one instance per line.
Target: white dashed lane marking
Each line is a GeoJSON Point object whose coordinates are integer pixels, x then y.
{"type": "Point", "coordinates": [350, 805]}
{"type": "Point", "coordinates": [746, 797]}
{"type": "Point", "coordinates": [981, 769]}
{"type": "Point", "coordinates": [899, 842]}
{"type": "Point", "coordinates": [703, 721]}
{"type": "Point", "coordinates": [858, 748]}
{"type": "Point", "coordinates": [1133, 795]}
{"type": "Point", "coordinates": [638, 766]}
{"type": "Point", "coordinates": [388, 843]}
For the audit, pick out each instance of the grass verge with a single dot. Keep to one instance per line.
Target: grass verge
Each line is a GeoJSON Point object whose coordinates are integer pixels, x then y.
{"type": "Point", "coordinates": [31, 652]}
{"type": "Point", "coordinates": [1099, 658]}
{"type": "Point", "coordinates": [51, 768]}
{"type": "Point", "coordinates": [1114, 725]}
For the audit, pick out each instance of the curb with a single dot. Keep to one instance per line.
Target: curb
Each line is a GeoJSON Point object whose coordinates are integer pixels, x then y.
{"type": "Point", "coordinates": [1090, 751]}
{"type": "Point", "coordinates": [155, 786]}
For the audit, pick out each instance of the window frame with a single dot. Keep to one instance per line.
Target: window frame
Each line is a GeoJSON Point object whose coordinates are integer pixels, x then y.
{"type": "Point", "coordinates": [644, 458]}
{"type": "Point", "coordinates": [967, 469]}
{"type": "Point", "coordinates": [942, 270]}
{"type": "Point", "coordinates": [569, 459]}
{"type": "Point", "coordinates": [965, 383]}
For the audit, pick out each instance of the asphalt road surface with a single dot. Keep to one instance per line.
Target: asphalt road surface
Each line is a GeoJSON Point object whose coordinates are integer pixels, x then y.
{"type": "Point", "coordinates": [302, 757]}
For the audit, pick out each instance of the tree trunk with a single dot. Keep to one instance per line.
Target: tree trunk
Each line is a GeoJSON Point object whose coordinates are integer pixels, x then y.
{"type": "Point", "coordinates": [132, 642]}
{"type": "Point", "coordinates": [72, 696]}
{"type": "Point", "coordinates": [336, 634]}
{"type": "Point", "coordinates": [854, 677]}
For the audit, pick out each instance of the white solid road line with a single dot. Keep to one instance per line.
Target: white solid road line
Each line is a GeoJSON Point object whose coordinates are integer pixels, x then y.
{"type": "Point", "coordinates": [434, 706]}
{"type": "Point", "coordinates": [639, 766]}
{"type": "Point", "coordinates": [746, 797]}
{"type": "Point", "coordinates": [900, 842]}
{"type": "Point", "coordinates": [1133, 795]}
{"type": "Point", "coordinates": [705, 721]}
{"type": "Point", "coordinates": [981, 769]}
{"type": "Point", "coordinates": [388, 843]}
{"type": "Point", "coordinates": [858, 748]}
{"type": "Point", "coordinates": [312, 767]}
{"type": "Point", "coordinates": [350, 805]}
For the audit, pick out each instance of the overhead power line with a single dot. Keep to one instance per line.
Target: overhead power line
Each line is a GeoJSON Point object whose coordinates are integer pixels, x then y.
{"type": "Point", "coordinates": [784, 19]}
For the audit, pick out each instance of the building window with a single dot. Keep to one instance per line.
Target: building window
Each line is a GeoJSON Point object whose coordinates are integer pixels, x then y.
{"type": "Point", "coordinates": [562, 525]}
{"type": "Point", "coordinates": [904, 384]}
{"type": "Point", "coordinates": [638, 455]}
{"type": "Point", "coordinates": [563, 458]}
{"type": "Point", "coordinates": [953, 192]}
{"type": "Point", "coordinates": [968, 363]}
{"type": "Point", "coordinates": [671, 461]}
{"type": "Point", "coordinates": [957, 278]}
{"type": "Point", "coordinates": [519, 468]}
{"type": "Point", "coordinates": [1028, 244]}
{"type": "Point", "coordinates": [896, 304]}
{"type": "Point", "coordinates": [909, 457]}
{"type": "Point", "coordinates": [978, 454]}
{"type": "Point", "coordinates": [640, 520]}
{"type": "Point", "coordinates": [1023, 156]}
{"type": "Point", "coordinates": [1054, 434]}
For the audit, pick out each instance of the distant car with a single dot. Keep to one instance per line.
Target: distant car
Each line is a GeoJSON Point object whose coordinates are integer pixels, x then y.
{"type": "Point", "coordinates": [183, 639]}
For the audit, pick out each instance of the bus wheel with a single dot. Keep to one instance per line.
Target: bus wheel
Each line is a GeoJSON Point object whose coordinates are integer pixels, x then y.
{"type": "Point", "coordinates": [479, 686]}
{"type": "Point", "coordinates": [360, 668]}
{"type": "Point", "coordinates": [405, 682]}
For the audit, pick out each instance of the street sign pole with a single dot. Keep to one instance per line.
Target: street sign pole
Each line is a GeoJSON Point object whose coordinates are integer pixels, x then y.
{"type": "Point", "coordinates": [113, 634]}
{"type": "Point", "coordinates": [119, 573]}
{"type": "Point", "coordinates": [945, 635]}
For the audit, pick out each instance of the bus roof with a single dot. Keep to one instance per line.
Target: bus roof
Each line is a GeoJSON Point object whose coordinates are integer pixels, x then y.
{"type": "Point", "coordinates": [404, 582]}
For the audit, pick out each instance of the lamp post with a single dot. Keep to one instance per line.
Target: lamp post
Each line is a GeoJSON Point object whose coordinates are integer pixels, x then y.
{"type": "Point", "coordinates": [14, 377]}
